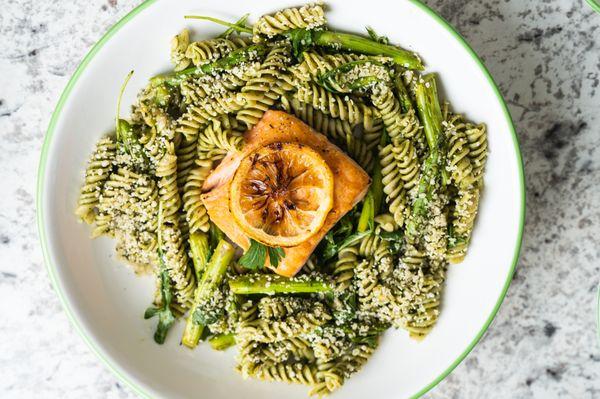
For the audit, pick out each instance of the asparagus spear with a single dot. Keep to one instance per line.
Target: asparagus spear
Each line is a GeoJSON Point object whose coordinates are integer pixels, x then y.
{"type": "Point", "coordinates": [359, 44]}
{"type": "Point", "coordinates": [222, 341]}
{"type": "Point", "coordinates": [212, 277]}
{"type": "Point", "coordinates": [272, 284]}
{"type": "Point", "coordinates": [430, 113]}
{"type": "Point", "coordinates": [374, 198]}
{"type": "Point", "coordinates": [200, 252]}
{"type": "Point", "coordinates": [226, 63]}
{"type": "Point", "coordinates": [303, 38]}
{"type": "Point", "coordinates": [403, 96]}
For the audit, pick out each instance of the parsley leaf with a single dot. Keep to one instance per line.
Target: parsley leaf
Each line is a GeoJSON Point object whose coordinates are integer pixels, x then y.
{"type": "Point", "coordinates": [256, 256]}
{"type": "Point", "coordinates": [275, 255]}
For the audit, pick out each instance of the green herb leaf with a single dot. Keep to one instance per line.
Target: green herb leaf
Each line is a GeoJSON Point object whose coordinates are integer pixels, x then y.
{"type": "Point", "coordinates": [330, 247]}
{"type": "Point", "coordinates": [395, 238]}
{"type": "Point", "coordinates": [255, 256]}
{"type": "Point", "coordinates": [275, 255]}
{"type": "Point", "coordinates": [240, 28]}
{"type": "Point", "coordinates": [164, 313]}
{"type": "Point", "coordinates": [302, 39]}
{"type": "Point", "coordinates": [344, 227]}
{"type": "Point", "coordinates": [353, 239]}
{"type": "Point", "coordinates": [371, 340]}
{"type": "Point", "coordinates": [240, 23]}
{"type": "Point", "coordinates": [151, 312]}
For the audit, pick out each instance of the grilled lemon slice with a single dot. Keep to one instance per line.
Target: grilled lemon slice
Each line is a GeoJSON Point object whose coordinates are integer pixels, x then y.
{"type": "Point", "coordinates": [281, 194]}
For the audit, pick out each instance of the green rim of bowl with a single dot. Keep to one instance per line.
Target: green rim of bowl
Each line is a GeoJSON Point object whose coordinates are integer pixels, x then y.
{"type": "Point", "coordinates": [595, 5]}
{"type": "Point", "coordinates": [135, 386]}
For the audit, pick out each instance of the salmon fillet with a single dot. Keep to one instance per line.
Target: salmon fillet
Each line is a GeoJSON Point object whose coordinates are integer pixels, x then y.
{"type": "Point", "coordinates": [351, 183]}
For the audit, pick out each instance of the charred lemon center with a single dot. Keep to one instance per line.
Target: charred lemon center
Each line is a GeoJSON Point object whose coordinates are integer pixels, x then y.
{"type": "Point", "coordinates": [281, 194]}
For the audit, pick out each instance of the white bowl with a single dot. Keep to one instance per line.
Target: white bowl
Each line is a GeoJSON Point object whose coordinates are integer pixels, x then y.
{"type": "Point", "coordinates": [105, 300]}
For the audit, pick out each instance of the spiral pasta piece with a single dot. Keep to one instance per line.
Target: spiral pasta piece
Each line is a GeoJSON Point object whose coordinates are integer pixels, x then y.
{"type": "Point", "coordinates": [262, 330]}
{"type": "Point", "coordinates": [332, 374]}
{"type": "Point", "coordinates": [177, 263]}
{"type": "Point", "coordinates": [179, 45]}
{"type": "Point", "coordinates": [343, 270]}
{"type": "Point", "coordinates": [305, 17]}
{"type": "Point", "coordinates": [408, 164]}
{"type": "Point", "coordinates": [186, 154]}
{"type": "Point", "coordinates": [384, 100]}
{"type": "Point", "coordinates": [281, 307]}
{"type": "Point", "coordinates": [334, 105]}
{"type": "Point", "coordinates": [393, 185]}
{"type": "Point", "coordinates": [205, 51]}
{"type": "Point", "coordinates": [98, 170]}
{"type": "Point", "coordinates": [215, 141]}
{"type": "Point", "coordinates": [462, 220]}
{"type": "Point", "coordinates": [199, 115]}
{"type": "Point", "coordinates": [194, 89]}
{"type": "Point", "coordinates": [166, 171]}
{"type": "Point", "coordinates": [127, 210]}
{"type": "Point", "coordinates": [314, 64]}
{"type": "Point", "coordinates": [270, 83]}
{"type": "Point", "coordinates": [478, 146]}
{"type": "Point", "coordinates": [420, 294]}
{"type": "Point", "coordinates": [196, 214]}
{"type": "Point", "coordinates": [459, 161]}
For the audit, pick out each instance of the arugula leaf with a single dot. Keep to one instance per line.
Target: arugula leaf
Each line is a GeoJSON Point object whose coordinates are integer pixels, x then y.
{"type": "Point", "coordinates": [302, 39]}
{"type": "Point", "coordinates": [370, 340]}
{"type": "Point", "coordinates": [395, 238]}
{"type": "Point", "coordinates": [353, 239]}
{"type": "Point", "coordinates": [165, 316]}
{"type": "Point", "coordinates": [374, 36]}
{"type": "Point", "coordinates": [256, 256]}
{"type": "Point", "coordinates": [240, 23]}
{"type": "Point", "coordinates": [330, 247]}
{"type": "Point", "coordinates": [164, 313]}
{"type": "Point", "coordinates": [344, 226]}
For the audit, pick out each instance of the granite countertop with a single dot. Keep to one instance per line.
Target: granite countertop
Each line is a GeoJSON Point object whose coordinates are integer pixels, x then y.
{"type": "Point", "coordinates": [546, 60]}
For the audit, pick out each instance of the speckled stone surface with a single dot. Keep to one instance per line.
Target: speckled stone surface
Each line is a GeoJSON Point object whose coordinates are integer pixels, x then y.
{"type": "Point", "coordinates": [545, 56]}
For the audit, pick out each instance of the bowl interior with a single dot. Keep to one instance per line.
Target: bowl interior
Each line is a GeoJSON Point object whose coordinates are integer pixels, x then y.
{"type": "Point", "coordinates": [106, 300]}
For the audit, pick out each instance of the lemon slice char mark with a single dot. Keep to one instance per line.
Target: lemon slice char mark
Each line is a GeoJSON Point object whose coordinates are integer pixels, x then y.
{"type": "Point", "coordinates": [281, 194]}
